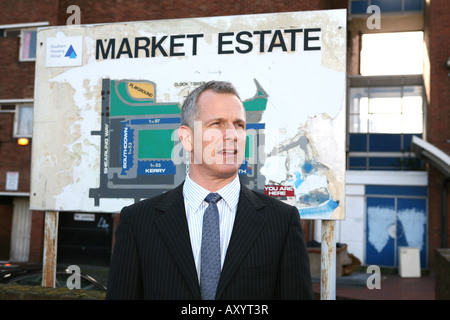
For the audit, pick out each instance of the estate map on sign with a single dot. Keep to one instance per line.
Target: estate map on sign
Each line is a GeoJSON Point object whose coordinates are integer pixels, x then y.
{"type": "Point", "coordinates": [145, 130]}
{"type": "Point", "coordinates": [108, 100]}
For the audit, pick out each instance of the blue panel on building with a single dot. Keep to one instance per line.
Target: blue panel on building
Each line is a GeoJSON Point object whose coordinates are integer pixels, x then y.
{"type": "Point", "coordinates": [383, 163]}
{"type": "Point", "coordinates": [397, 190]}
{"type": "Point", "coordinates": [407, 140]}
{"type": "Point", "coordinates": [413, 5]}
{"type": "Point", "coordinates": [355, 162]}
{"type": "Point", "coordinates": [359, 7]}
{"type": "Point", "coordinates": [358, 142]}
{"type": "Point", "coordinates": [385, 142]}
{"type": "Point", "coordinates": [381, 220]}
{"type": "Point", "coordinates": [394, 222]}
{"type": "Point", "coordinates": [412, 225]}
{"type": "Point", "coordinates": [388, 5]}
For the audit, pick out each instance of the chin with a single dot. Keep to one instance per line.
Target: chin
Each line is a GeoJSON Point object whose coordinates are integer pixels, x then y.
{"type": "Point", "coordinates": [228, 170]}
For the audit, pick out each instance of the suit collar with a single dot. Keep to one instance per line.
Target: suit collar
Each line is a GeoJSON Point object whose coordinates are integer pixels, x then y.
{"type": "Point", "coordinates": [169, 197]}
{"type": "Point", "coordinates": [251, 197]}
{"type": "Point", "coordinates": [173, 227]}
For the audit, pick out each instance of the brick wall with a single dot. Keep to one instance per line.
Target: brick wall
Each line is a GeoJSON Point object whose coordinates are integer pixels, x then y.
{"type": "Point", "coordinates": [435, 213]}
{"type": "Point", "coordinates": [93, 11]}
{"type": "Point", "coordinates": [21, 82]}
{"type": "Point", "coordinates": [442, 286]}
{"type": "Point", "coordinates": [437, 35]}
{"type": "Point", "coordinates": [21, 85]}
{"type": "Point", "coordinates": [439, 51]}
{"type": "Point", "coordinates": [23, 11]}
{"type": "Point", "coordinates": [37, 236]}
{"type": "Point", "coordinates": [13, 157]}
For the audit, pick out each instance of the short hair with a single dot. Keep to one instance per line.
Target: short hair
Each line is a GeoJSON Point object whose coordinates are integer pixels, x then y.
{"type": "Point", "coordinates": [189, 110]}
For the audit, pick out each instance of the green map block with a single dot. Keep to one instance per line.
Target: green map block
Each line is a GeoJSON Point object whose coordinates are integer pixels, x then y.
{"type": "Point", "coordinates": [155, 144]}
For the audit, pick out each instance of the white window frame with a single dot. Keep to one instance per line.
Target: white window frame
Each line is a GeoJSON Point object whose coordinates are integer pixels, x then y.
{"type": "Point", "coordinates": [21, 48]}
{"type": "Point", "coordinates": [16, 134]}
{"type": "Point", "coordinates": [370, 116]}
{"type": "Point", "coordinates": [23, 27]}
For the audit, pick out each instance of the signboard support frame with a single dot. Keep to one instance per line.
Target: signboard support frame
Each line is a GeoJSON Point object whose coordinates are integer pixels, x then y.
{"type": "Point", "coordinates": [328, 261]}
{"type": "Point", "coordinates": [50, 249]}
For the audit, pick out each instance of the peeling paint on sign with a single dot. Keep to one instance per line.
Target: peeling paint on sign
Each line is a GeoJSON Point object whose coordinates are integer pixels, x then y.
{"type": "Point", "coordinates": [294, 61]}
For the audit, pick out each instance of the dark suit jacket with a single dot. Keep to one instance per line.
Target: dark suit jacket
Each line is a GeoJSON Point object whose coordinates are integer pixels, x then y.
{"type": "Point", "coordinates": [266, 258]}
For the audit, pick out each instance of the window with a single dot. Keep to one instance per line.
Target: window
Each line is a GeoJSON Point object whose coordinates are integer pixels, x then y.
{"type": "Point", "coordinates": [27, 45]}
{"type": "Point", "coordinates": [395, 53]}
{"type": "Point", "coordinates": [384, 115]}
{"type": "Point", "coordinates": [23, 121]}
{"type": "Point", "coordinates": [386, 110]}
{"type": "Point", "coordinates": [27, 32]}
{"type": "Point", "coordinates": [358, 7]}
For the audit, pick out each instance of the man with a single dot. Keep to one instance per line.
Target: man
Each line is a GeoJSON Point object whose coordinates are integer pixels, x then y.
{"type": "Point", "coordinates": [259, 249]}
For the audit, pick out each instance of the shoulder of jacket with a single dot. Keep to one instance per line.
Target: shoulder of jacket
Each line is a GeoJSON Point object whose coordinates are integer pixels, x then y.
{"type": "Point", "coordinates": [260, 199]}
{"type": "Point", "coordinates": [146, 206]}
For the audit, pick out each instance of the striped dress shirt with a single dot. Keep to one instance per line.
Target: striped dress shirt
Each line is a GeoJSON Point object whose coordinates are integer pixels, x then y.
{"type": "Point", "coordinates": [194, 196]}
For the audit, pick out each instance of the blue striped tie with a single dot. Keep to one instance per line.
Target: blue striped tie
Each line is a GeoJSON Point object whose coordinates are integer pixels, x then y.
{"type": "Point", "coordinates": [210, 251]}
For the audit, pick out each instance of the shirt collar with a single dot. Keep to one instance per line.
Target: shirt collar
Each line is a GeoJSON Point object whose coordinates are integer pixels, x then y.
{"type": "Point", "coordinates": [195, 194]}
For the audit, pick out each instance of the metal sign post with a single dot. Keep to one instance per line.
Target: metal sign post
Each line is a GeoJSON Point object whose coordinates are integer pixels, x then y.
{"type": "Point", "coordinates": [50, 248]}
{"type": "Point", "coordinates": [328, 261]}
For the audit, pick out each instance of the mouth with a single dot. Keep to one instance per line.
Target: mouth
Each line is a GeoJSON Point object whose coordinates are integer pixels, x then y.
{"type": "Point", "coordinates": [228, 152]}
{"type": "Point", "coordinates": [228, 156]}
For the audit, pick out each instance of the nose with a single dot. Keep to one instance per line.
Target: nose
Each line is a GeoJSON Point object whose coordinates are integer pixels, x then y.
{"type": "Point", "coordinates": [231, 133]}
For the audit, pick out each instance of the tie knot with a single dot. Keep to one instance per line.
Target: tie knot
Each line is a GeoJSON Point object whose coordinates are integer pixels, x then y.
{"type": "Point", "coordinates": [213, 198]}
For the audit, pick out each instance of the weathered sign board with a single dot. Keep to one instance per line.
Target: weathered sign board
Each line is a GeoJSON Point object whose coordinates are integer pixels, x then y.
{"type": "Point", "coordinates": [108, 99]}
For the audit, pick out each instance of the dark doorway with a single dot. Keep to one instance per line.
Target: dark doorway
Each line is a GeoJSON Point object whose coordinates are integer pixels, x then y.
{"type": "Point", "coordinates": [85, 238]}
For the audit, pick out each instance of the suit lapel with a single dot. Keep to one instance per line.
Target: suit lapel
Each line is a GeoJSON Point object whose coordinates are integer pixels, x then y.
{"type": "Point", "coordinates": [174, 230]}
{"type": "Point", "coordinates": [247, 225]}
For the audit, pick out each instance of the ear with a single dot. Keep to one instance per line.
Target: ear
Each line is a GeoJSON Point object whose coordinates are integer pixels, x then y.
{"type": "Point", "coordinates": [186, 137]}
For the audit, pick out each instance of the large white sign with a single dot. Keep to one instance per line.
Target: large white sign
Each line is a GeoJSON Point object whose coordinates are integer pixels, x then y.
{"type": "Point", "coordinates": [105, 128]}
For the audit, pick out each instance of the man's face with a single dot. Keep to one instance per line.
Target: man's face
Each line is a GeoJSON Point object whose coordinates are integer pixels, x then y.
{"type": "Point", "coordinates": [219, 135]}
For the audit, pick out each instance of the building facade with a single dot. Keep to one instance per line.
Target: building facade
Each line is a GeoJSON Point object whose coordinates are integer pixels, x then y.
{"type": "Point", "coordinates": [396, 189]}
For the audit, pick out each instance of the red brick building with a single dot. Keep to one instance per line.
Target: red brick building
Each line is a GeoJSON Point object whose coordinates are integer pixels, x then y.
{"type": "Point", "coordinates": [21, 231]}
